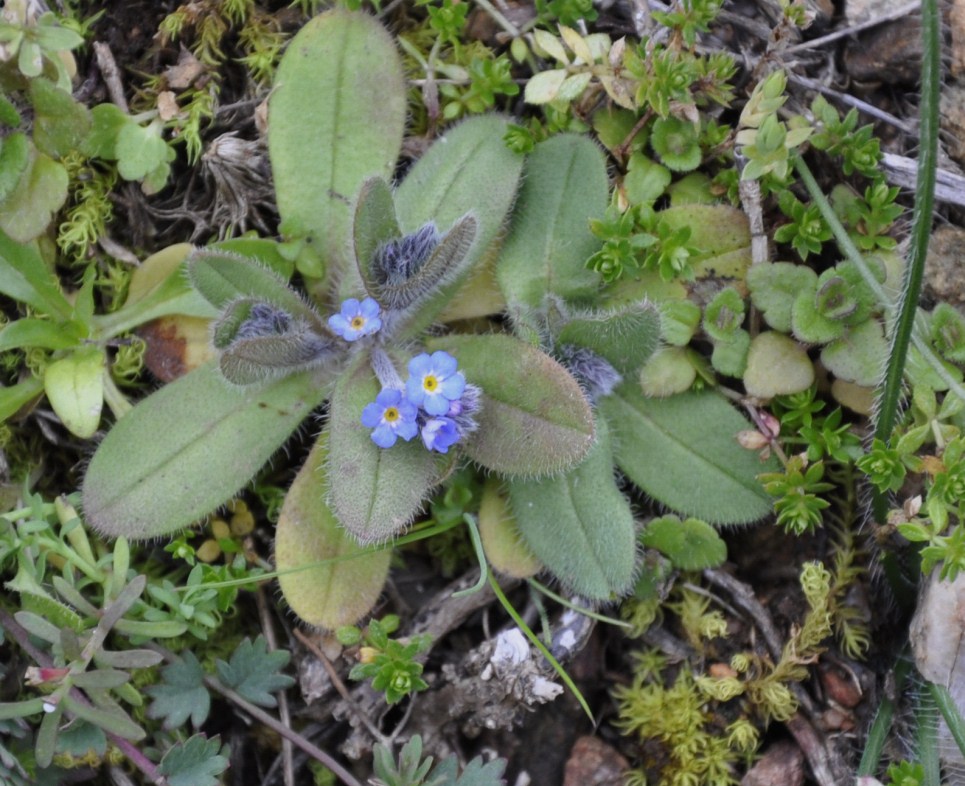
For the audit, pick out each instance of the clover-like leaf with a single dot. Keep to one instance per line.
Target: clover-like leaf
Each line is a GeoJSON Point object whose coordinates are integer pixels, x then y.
{"type": "Point", "coordinates": [325, 578]}
{"type": "Point", "coordinates": [777, 365]}
{"type": "Point", "coordinates": [534, 418]}
{"type": "Point", "coordinates": [181, 694]}
{"type": "Point", "coordinates": [859, 355]}
{"type": "Point", "coordinates": [253, 671]}
{"type": "Point", "coordinates": [691, 544]}
{"type": "Point", "coordinates": [40, 192]}
{"type": "Point", "coordinates": [195, 762]}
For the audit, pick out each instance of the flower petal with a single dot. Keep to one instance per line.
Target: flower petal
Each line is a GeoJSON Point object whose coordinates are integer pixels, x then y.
{"type": "Point", "coordinates": [384, 436]}
{"type": "Point", "coordinates": [444, 363]}
{"type": "Point", "coordinates": [435, 404]}
{"type": "Point", "coordinates": [453, 386]}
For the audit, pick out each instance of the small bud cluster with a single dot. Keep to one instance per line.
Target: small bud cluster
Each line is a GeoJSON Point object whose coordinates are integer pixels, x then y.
{"type": "Point", "coordinates": [437, 403]}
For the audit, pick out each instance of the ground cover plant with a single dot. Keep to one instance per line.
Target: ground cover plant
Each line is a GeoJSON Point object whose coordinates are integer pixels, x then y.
{"type": "Point", "coordinates": [544, 296]}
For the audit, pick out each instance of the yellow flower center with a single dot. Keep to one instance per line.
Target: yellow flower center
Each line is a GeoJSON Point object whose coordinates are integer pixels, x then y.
{"type": "Point", "coordinates": [430, 383]}
{"type": "Point", "coordinates": [358, 322]}
{"type": "Point", "coordinates": [391, 415]}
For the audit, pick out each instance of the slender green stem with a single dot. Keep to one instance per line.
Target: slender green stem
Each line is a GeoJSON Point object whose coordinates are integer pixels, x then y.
{"type": "Point", "coordinates": [480, 555]}
{"type": "Point", "coordinates": [950, 712]}
{"type": "Point", "coordinates": [926, 719]}
{"type": "Point", "coordinates": [534, 639]}
{"type": "Point", "coordinates": [921, 219]}
{"type": "Point", "coordinates": [881, 725]}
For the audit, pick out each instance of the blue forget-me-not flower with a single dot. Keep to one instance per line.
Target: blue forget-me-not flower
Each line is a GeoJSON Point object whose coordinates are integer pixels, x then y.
{"type": "Point", "coordinates": [440, 434]}
{"type": "Point", "coordinates": [356, 319]}
{"type": "Point", "coordinates": [434, 382]}
{"type": "Point", "coordinates": [390, 416]}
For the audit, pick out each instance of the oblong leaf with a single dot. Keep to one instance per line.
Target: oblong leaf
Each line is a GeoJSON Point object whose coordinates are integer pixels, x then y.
{"type": "Point", "coordinates": [75, 389]}
{"type": "Point", "coordinates": [579, 525]}
{"type": "Point", "coordinates": [335, 117]}
{"type": "Point", "coordinates": [25, 276]}
{"type": "Point", "coordinates": [550, 240]}
{"type": "Point", "coordinates": [683, 452]}
{"type": "Point", "coordinates": [534, 418]}
{"type": "Point", "coordinates": [446, 184]}
{"type": "Point", "coordinates": [346, 586]}
{"type": "Point", "coordinates": [375, 492]}
{"type": "Point", "coordinates": [626, 337]}
{"type": "Point", "coordinates": [188, 448]}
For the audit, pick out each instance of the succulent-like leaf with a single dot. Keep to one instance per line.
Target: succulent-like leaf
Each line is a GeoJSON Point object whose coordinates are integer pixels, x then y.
{"type": "Point", "coordinates": [335, 117]}
{"type": "Point", "coordinates": [375, 492]}
{"type": "Point", "coordinates": [683, 452]}
{"type": "Point", "coordinates": [777, 365]}
{"type": "Point", "coordinates": [500, 536]}
{"type": "Point", "coordinates": [447, 183]}
{"type": "Point", "coordinates": [550, 239]}
{"type": "Point", "coordinates": [75, 389]}
{"type": "Point", "coordinates": [627, 337]}
{"type": "Point", "coordinates": [534, 418]}
{"type": "Point", "coordinates": [346, 584]}
{"type": "Point", "coordinates": [579, 525]}
{"type": "Point", "coordinates": [198, 441]}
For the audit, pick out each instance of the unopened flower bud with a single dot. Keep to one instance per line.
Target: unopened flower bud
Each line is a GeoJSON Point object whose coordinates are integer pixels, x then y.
{"type": "Point", "coordinates": [750, 439]}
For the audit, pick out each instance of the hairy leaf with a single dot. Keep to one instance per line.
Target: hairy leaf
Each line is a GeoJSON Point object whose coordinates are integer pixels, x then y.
{"type": "Point", "coordinates": [198, 441]}
{"type": "Point", "coordinates": [579, 525]}
{"type": "Point", "coordinates": [534, 418]}
{"type": "Point", "coordinates": [375, 492]}
{"type": "Point", "coordinates": [335, 117]}
{"type": "Point", "coordinates": [683, 452]}
{"type": "Point", "coordinates": [347, 584]}
{"type": "Point", "coordinates": [626, 337]}
{"type": "Point", "coordinates": [565, 186]}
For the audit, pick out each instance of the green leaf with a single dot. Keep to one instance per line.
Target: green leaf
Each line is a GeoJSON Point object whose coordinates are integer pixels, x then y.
{"type": "Point", "coordinates": [40, 192]}
{"type": "Point", "coordinates": [669, 371]}
{"type": "Point", "coordinates": [75, 389]}
{"type": "Point", "coordinates": [807, 322]}
{"type": "Point", "coordinates": [722, 234]}
{"type": "Point", "coordinates": [223, 277]}
{"type": "Point", "coordinates": [107, 122]}
{"type": "Point", "coordinates": [500, 536]}
{"type": "Point", "coordinates": [31, 332]}
{"type": "Point", "coordinates": [683, 452]}
{"type": "Point", "coordinates": [646, 180]}
{"type": "Point", "coordinates": [476, 773]}
{"type": "Point", "coordinates": [859, 355]}
{"type": "Point", "coordinates": [100, 679]}
{"type": "Point", "coordinates": [15, 397]}
{"type": "Point", "coordinates": [579, 525]}
{"type": "Point", "coordinates": [565, 186]}
{"type": "Point", "coordinates": [332, 581]}
{"type": "Point", "coordinates": [140, 150]}
{"type": "Point", "coordinates": [373, 224]}
{"type": "Point", "coordinates": [445, 185]}
{"type": "Point", "coordinates": [14, 157]}
{"type": "Point", "coordinates": [336, 116]}
{"type": "Point", "coordinates": [544, 86]}
{"type": "Point", "coordinates": [690, 544]}
{"type": "Point", "coordinates": [195, 762]}
{"type": "Point", "coordinates": [534, 418]}
{"type": "Point", "coordinates": [60, 122]}
{"type": "Point", "coordinates": [253, 671]}
{"type": "Point", "coordinates": [626, 337]}
{"type": "Point", "coordinates": [198, 440]}
{"type": "Point", "coordinates": [181, 694]}
{"type": "Point", "coordinates": [375, 492]}
{"type": "Point", "coordinates": [777, 365]}
{"type": "Point", "coordinates": [113, 721]}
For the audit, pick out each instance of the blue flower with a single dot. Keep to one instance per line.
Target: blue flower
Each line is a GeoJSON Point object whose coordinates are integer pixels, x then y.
{"type": "Point", "coordinates": [434, 382]}
{"type": "Point", "coordinates": [390, 416]}
{"type": "Point", "coordinates": [440, 434]}
{"type": "Point", "coordinates": [356, 319]}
